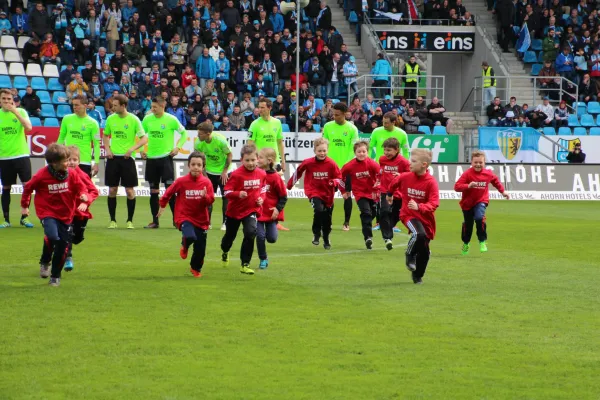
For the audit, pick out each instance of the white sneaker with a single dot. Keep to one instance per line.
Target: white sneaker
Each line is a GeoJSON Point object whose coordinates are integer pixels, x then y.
{"type": "Point", "coordinates": [223, 227]}
{"type": "Point", "coordinates": [388, 244]}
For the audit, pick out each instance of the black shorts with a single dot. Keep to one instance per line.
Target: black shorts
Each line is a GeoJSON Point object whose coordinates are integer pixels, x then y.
{"type": "Point", "coordinates": [160, 170]}
{"type": "Point", "coordinates": [86, 168]}
{"type": "Point", "coordinates": [10, 169]}
{"type": "Point", "coordinates": [216, 182]}
{"type": "Point", "coordinates": [120, 171]}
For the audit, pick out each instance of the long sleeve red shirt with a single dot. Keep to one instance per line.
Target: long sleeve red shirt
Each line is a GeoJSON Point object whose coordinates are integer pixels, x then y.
{"type": "Point", "coordinates": [321, 179]}
{"type": "Point", "coordinates": [363, 177]}
{"type": "Point", "coordinates": [481, 192]}
{"type": "Point", "coordinates": [275, 196]}
{"type": "Point", "coordinates": [389, 170]}
{"type": "Point", "coordinates": [251, 182]}
{"type": "Point", "coordinates": [423, 189]}
{"type": "Point", "coordinates": [190, 204]}
{"type": "Point", "coordinates": [92, 194]}
{"type": "Point", "coordinates": [53, 198]}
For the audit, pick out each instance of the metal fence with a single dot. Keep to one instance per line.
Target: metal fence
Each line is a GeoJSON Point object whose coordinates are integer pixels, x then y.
{"type": "Point", "coordinates": [428, 86]}
{"type": "Point", "coordinates": [381, 20]}
{"type": "Point", "coordinates": [528, 90]}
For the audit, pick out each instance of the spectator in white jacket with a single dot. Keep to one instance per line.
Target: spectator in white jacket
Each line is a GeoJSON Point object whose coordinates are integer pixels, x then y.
{"type": "Point", "coordinates": [547, 109]}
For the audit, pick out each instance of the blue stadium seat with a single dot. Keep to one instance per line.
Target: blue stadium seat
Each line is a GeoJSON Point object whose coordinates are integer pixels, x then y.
{"type": "Point", "coordinates": [548, 130]}
{"type": "Point", "coordinates": [580, 131]}
{"type": "Point", "coordinates": [82, 67]}
{"type": "Point", "coordinates": [598, 120]}
{"type": "Point", "coordinates": [573, 121]}
{"type": "Point", "coordinates": [22, 93]}
{"type": "Point", "coordinates": [44, 97]}
{"type": "Point", "coordinates": [217, 125]}
{"type": "Point", "coordinates": [102, 111]}
{"type": "Point", "coordinates": [541, 57]}
{"type": "Point", "coordinates": [285, 127]}
{"type": "Point", "coordinates": [35, 121]}
{"type": "Point", "coordinates": [59, 97]}
{"type": "Point", "coordinates": [335, 101]}
{"type": "Point", "coordinates": [563, 130]}
{"type": "Point", "coordinates": [581, 108]}
{"type": "Point", "coordinates": [48, 111]}
{"type": "Point", "coordinates": [439, 130]}
{"type": "Point", "coordinates": [425, 129]}
{"type": "Point", "coordinates": [38, 83]}
{"type": "Point", "coordinates": [20, 82]}
{"type": "Point", "coordinates": [535, 69]}
{"type": "Point", "coordinates": [52, 122]}
{"type": "Point", "coordinates": [536, 45]}
{"type": "Point", "coordinates": [319, 104]}
{"type": "Point", "coordinates": [593, 107]}
{"type": "Point", "coordinates": [595, 131]}
{"type": "Point", "coordinates": [5, 82]}
{"type": "Point", "coordinates": [54, 85]}
{"type": "Point", "coordinates": [63, 110]}
{"type": "Point", "coordinates": [530, 57]}
{"type": "Point", "coordinates": [587, 120]}
{"type": "Point", "coordinates": [317, 127]}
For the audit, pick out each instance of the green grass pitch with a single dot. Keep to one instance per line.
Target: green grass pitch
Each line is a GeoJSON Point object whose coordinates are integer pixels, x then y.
{"type": "Point", "coordinates": [130, 322]}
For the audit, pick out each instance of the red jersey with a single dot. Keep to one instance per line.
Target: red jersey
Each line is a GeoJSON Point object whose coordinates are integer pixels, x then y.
{"type": "Point", "coordinates": [321, 180]}
{"type": "Point", "coordinates": [362, 177]}
{"type": "Point", "coordinates": [53, 198]}
{"type": "Point", "coordinates": [481, 192]}
{"type": "Point", "coordinates": [91, 191]}
{"type": "Point", "coordinates": [390, 168]}
{"type": "Point", "coordinates": [190, 204]}
{"type": "Point", "coordinates": [276, 196]}
{"type": "Point", "coordinates": [253, 183]}
{"type": "Point", "coordinates": [423, 189]}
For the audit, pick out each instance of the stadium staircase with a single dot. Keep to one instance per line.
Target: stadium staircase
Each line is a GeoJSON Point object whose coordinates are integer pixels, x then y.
{"type": "Point", "coordinates": [462, 122]}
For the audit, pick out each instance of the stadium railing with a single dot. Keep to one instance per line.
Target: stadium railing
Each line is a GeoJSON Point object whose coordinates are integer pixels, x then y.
{"type": "Point", "coordinates": [428, 86]}
{"type": "Point", "coordinates": [421, 21]}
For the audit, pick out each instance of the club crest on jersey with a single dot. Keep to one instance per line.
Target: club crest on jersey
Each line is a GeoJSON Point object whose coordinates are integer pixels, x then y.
{"type": "Point", "coordinates": [14, 120]}
{"type": "Point", "coordinates": [83, 127]}
{"type": "Point", "coordinates": [126, 126]}
{"type": "Point", "coordinates": [162, 126]}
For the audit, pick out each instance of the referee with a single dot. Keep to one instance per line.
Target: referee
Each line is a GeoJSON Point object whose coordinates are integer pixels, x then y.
{"type": "Point", "coordinates": [120, 134]}
{"type": "Point", "coordinates": [14, 152]}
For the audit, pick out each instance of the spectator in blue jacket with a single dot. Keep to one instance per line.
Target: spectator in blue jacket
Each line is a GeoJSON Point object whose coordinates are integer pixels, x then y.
{"type": "Point", "coordinates": [176, 110]}
{"type": "Point", "coordinates": [5, 25]}
{"type": "Point", "coordinates": [110, 86]}
{"type": "Point", "coordinates": [565, 64]}
{"type": "Point", "coordinates": [128, 11]}
{"type": "Point", "coordinates": [387, 104]}
{"type": "Point", "coordinates": [20, 22]}
{"type": "Point", "coordinates": [277, 20]}
{"type": "Point", "coordinates": [244, 80]}
{"type": "Point", "coordinates": [205, 68]}
{"type": "Point", "coordinates": [92, 112]}
{"type": "Point", "coordinates": [222, 66]}
{"type": "Point", "coordinates": [67, 75]}
{"type": "Point", "coordinates": [382, 71]}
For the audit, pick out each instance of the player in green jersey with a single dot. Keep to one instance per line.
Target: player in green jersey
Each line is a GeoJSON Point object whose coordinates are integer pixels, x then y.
{"type": "Point", "coordinates": [341, 135]}
{"type": "Point", "coordinates": [120, 134]}
{"type": "Point", "coordinates": [218, 159]}
{"type": "Point", "coordinates": [14, 152]}
{"type": "Point", "coordinates": [388, 130]}
{"type": "Point", "coordinates": [81, 130]}
{"type": "Point", "coordinates": [266, 132]}
{"type": "Point", "coordinates": [161, 128]}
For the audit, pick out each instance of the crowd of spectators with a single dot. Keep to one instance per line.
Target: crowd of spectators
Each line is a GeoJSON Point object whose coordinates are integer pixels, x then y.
{"type": "Point", "coordinates": [515, 115]}
{"type": "Point", "coordinates": [434, 12]}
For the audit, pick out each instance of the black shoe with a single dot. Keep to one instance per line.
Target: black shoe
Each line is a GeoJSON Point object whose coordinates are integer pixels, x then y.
{"type": "Point", "coordinates": [416, 280]}
{"type": "Point", "coordinates": [151, 225]}
{"type": "Point", "coordinates": [326, 244]}
{"type": "Point", "coordinates": [411, 263]}
{"type": "Point", "coordinates": [369, 243]}
{"type": "Point", "coordinates": [315, 240]}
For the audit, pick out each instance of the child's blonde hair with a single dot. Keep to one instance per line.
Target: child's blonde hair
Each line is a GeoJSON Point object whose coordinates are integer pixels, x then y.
{"type": "Point", "coordinates": [477, 153]}
{"type": "Point", "coordinates": [269, 154]}
{"type": "Point", "coordinates": [423, 155]}
{"type": "Point", "coordinates": [361, 143]}
{"type": "Point", "coordinates": [248, 148]}
{"type": "Point", "coordinates": [74, 150]}
{"type": "Point", "coordinates": [320, 141]}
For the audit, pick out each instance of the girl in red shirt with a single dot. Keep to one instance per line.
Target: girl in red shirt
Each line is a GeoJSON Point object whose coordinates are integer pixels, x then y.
{"type": "Point", "coordinates": [245, 191]}
{"type": "Point", "coordinates": [272, 208]}
{"type": "Point", "coordinates": [194, 197]}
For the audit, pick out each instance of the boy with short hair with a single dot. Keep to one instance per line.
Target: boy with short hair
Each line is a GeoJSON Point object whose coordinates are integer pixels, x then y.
{"type": "Point", "coordinates": [474, 186]}
{"type": "Point", "coordinates": [420, 199]}
{"type": "Point", "coordinates": [56, 194]}
{"type": "Point", "coordinates": [320, 183]}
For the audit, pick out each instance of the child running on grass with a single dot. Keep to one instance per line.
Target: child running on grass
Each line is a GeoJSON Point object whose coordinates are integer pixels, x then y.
{"type": "Point", "coordinates": [194, 195]}
{"type": "Point", "coordinates": [392, 164]}
{"type": "Point", "coordinates": [245, 191]}
{"type": "Point", "coordinates": [474, 186]}
{"type": "Point", "coordinates": [272, 208]}
{"type": "Point", "coordinates": [420, 199]}
{"type": "Point", "coordinates": [361, 177]}
{"type": "Point", "coordinates": [320, 183]}
{"type": "Point", "coordinates": [56, 194]}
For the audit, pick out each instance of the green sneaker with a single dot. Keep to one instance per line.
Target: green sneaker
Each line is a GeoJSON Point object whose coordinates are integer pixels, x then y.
{"type": "Point", "coordinates": [465, 249]}
{"type": "Point", "coordinates": [130, 225]}
{"type": "Point", "coordinates": [483, 247]}
{"type": "Point", "coordinates": [26, 223]}
{"type": "Point", "coordinates": [112, 225]}
{"type": "Point", "coordinates": [225, 259]}
{"type": "Point", "coordinates": [245, 269]}
{"type": "Point", "coordinates": [5, 224]}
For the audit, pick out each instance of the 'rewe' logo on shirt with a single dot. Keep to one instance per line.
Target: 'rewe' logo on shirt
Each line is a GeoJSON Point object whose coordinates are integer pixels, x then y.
{"type": "Point", "coordinates": [194, 194]}
{"type": "Point", "coordinates": [362, 175]}
{"type": "Point", "coordinates": [480, 185]}
{"type": "Point", "coordinates": [58, 187]}
{"type": "Point", "coordinates": [252, 184]}
{"type": "Point", "coordinates": [320, 175]}
{"type": "Point", "coordinates": [390, 169]}
{"type": "Point", "coordinates": [416, 193]}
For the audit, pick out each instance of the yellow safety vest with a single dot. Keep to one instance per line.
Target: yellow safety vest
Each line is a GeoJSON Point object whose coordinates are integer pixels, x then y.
{"type": "Point", "coordinates": [412, 73]}
{"type": "Point", "coordinates": [487, 82]}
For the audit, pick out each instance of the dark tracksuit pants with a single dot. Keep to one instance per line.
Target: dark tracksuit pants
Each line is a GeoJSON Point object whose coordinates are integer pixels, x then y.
{"type": "Point", "coordinates": [368, 210]}
{"type": "Point", "coordinates": [77, 236]}
{"type": "Point", "coordinates": [418, 245]}
{"type": "Point", "coordinates": [217, 184]}
{"type": "Point", "coordinates": [194, 236]}
{"type": "Point", "coordinates": [57, 236]}
{"type": "Point", "coordinates": [474, 215]}
{"type": "Point", "coordinates": [249, 227]}
{"type": "Point", "coordinates": [389, 215]}
{"type": "Point", "coordinates": [265, 231]}
{"type": "Point", "coordinates": [321, 218]}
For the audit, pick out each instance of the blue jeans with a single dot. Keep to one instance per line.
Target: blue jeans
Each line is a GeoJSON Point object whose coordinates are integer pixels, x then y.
{"type": "Point", "coordinates": [333, 89]}
{"type": "Point", "coordinates": [57, 236]}
{"type": "Point", "coordinates": [488, 95]}
{"type": "Point", "coordinates": [474, 215]}
{"type": "Point", "coordinates": [268, 231]}
{"type": "Point", "coordinates": [192, 235]}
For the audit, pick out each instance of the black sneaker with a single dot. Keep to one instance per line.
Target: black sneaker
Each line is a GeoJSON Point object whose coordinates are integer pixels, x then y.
{"type": "Point", "coordinates": [369, 243]}
{"type": "Point", "coordinates": [411, 263]}
{"type": "Point", "coordinates": [326, 244]}
{"type": "Point", "coordinates": [416, 280]}
{"type": "Point", "coordinates": [151, 225]}
{"type": "Point", "coordinates": [316, 240]}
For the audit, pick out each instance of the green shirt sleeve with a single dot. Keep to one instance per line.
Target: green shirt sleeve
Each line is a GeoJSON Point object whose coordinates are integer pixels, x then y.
{"type": "Point", "coordinates": [405, 146]}
{"type": "Point", "coordinates": [252, 131]}
{"type": "Point", "coordinates": [96, 140]}
{"type": "Point", "coordinates": [107, 127]}
{"type": "Point", "coordinates": [181, 130]}
{"type": "Point", "coordinates": [140, 132]}
{"type": "Point", "coordinates": [63, 131]}
{"type": "Point", "coordinates": [373, 145]}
